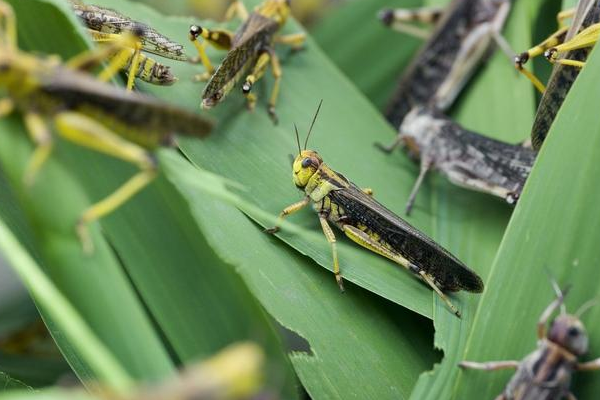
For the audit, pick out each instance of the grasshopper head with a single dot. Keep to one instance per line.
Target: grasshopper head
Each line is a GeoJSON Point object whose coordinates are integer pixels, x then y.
{"type": "Point", "coordinates": [567, 331]}
{"type": "Point", "coordinates": [305, 166]}
{"type": "Point", "coordinates": [279, 10]}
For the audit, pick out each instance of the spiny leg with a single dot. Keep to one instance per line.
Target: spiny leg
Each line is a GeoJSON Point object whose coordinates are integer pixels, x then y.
{"type": "Point", "coordinates": [237, 8]}
{"type": "Point", "coordinates": [219, 38]}
{"type": "Point", "coordinates": [87, 132]}
{"type": "Point", "coordinates": [589, 366]}
{"type": "Point", "coordinates": [489, 366]}
{"type": "Point", "coordinates": [425, 167]}
{"type": "Point", "coordinates": [8, 26]}
{"type": "Point", "coordinates": [295, 40]}
{"type": "Point", "coordinates": [257, 72]}
{"type": "Point", "coordinates": [430, 281]}
{"type": "Point", "coordinates": [42, 137]}
{"type": "Point", "coordinates": [332, 242]}
{"type": "Point", "coordinates": [363, 239]}
{"type": "Point", "coordinates": [392, 146]}
{"type": "Point", "coordinates": [277, 74]}
{"type": "Point", "coordinates": [288, 211]}
{"type": "Point", "coordinates": [400, 19]}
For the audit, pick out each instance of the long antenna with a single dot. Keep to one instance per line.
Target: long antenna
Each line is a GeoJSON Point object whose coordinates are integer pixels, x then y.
{"type": "Point", "coordinates": [297, 138]}
{"type": "Point", "coordinates": [313, 124]}
{"type": "Point", "coordinates": [586, 306]}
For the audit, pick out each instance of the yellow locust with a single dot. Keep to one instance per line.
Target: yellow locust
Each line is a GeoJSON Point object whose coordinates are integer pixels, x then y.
{"type": "Point", "coordinates": [367, 222]}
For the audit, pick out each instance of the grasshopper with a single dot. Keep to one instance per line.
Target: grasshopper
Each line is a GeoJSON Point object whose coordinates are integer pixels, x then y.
{"type": "Point", "coordinates": [367, 222]}
{"type": "Point", "coordinates": [545, 374]}
{"type": "Point", "coordinates": [250, 49]}
{"type": "Point", "coordinates": [576, 42]}
{"type": "Point", "coordinates": [467, 158]}
{"type": "Point", "coordinates": [463, 36]}
{"type": "Point", "coordinates": [106, 25]}
{"type": "Point", "coordinates": [44, 89]}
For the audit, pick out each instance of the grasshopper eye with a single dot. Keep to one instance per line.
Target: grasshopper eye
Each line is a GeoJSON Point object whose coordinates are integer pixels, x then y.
{"type": "Point", "coordinates": [573, 332]}
{"type": "Point", "coordinates": [307, 162]}
{"type": "Point", "coordinates": [195, 31]}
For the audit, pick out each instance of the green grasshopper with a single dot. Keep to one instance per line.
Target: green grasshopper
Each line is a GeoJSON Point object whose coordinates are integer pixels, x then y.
{"type": "Point", "coordinates": [105, 25]}
{"type": "Point", "coordinates": [250, 49]}
{"type": "Point", "coordinates": [573, 44]}
{"type": "Point", "coordinates": [545, 374]}
{"type": "Point", "coordinates": [368, 223]}
{"type": "Point", "coordinates": [43, 89]}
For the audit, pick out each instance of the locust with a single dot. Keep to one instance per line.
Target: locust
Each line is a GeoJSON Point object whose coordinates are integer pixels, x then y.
{"type": "Point", "coordinates": [365, 221]}
{"type": "Point", "coordinates": [105, 25]}
{"type": "Point", "coordinates": [568, 48]}
{"type": "Point", "coordinates": [463, 35]}
{"type": "Point", "coordinates": [545, 374]}
{"type": "Point", "coordinates": [250, 51]}
{"type": "Point", "coordinates": [56, 97]}
{"type": "Point", "coordinates": [466, 158]}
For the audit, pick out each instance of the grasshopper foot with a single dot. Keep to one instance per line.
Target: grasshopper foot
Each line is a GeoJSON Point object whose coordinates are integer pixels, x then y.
{"type": "Point", "coordinates": [272, 231]}
{"type": "Point", "coordinates": [83, 234]}
{"type": "Point", "coordinates": [340, 282]}
{"type": "Point", "coordinates": [203, 77]}
{"type": "Point", "coordinates": [273, 115]}
{"type": "Point", "coordinates": [384, 148]}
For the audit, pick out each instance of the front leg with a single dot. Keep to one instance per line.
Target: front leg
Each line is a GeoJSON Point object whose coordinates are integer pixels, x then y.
{"type": "Point", "coordinates": [257, 72]}
{"type": "Point", "coordinates": [237, 8]}
{"type": "Point", "coordinates": [219, 38]}
{"type": "Point", "coordinates": [288, 211]}
{"type": "Point", "coordinates": [489, 366]}
{"type": "Point", "coordinates": [589, 366]}
{"type": "Point", "coordinates": [295, 40]}
{"type": "Point", "coordinates": [42, 137]}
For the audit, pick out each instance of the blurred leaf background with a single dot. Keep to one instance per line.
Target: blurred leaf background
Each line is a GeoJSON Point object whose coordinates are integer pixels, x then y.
{"type": "Point", "coordinates": [184, 269]}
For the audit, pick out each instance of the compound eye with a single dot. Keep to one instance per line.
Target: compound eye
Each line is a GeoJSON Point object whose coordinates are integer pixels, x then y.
{"type": "Point", "coordinates": [573, 332]}
{"type": "Point", "coordinates": [307, 162]}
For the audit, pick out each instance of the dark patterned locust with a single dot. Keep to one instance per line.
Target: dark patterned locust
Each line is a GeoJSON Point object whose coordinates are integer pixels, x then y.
{"type": "Point", "coordinates": [569, 49]}
{"type": "Point", "coordinates": [546, 373]}
{"type": "Point", "coordinates": [365, 221]}
{"type": "Point", "coordinates": [467, 158]}
{"type": "Point", "coordinates": [43, 89]}
{"type": "Point", "coordinates": [106, 25]}
{"type": "Point", "coordinates": [250, 51]}
{"type": "Point", "coordinates": [463, 35]}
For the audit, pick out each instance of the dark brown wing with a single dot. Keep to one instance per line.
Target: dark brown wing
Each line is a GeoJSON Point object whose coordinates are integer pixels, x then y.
{"type": "Point", "coordinates": [563, 76]}
{"type": "Point", "coordinates": [415, 246]}
{"type": "Point", "coordinates": [81, 92]}
{"type": "Point", "coordinates": [255, 26]}
{"type": "Point", "coordinates": [433, 63]}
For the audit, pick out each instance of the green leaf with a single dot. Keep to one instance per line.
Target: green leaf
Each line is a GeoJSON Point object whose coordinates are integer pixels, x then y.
{"type": "Point", "coordinates": [553, 230]}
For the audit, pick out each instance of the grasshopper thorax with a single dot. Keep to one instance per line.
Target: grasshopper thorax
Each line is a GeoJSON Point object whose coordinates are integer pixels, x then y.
{"type": "Point", "coordinates": [305, 166]}
{"type": "Point", "coordinates": [277, 10]}
{"type": "Point", "coordinates": [568, 332]}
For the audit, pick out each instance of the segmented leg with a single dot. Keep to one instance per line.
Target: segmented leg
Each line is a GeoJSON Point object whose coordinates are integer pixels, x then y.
{"type": "Point", "coordinates": [219, 38]}
{"type": "Point", "coordinates": [42, 137]}
{"type": "Point", "coordinates": [257, 72]}
{"type": "Point", "coordinates": [490, 366]}
{"type": "Point", "coordinates": [392, 146]}
{"type": "Point", "coordinates": [332, 242]}
{"type": "Point", "coordinates": [589, 366]}
{"type": "Point", "coordinates": [237, 8]}
{"type": "Point", "coordinates": [584, 39]}
{"type": "Point", "coordinates": [401, 19]}
{"type": "Point", "coordinates": [295, 40]}
{"type": "Point", "coordinates": [277, 74]}
{"type": "Point", "coordinates": [363, 239]}
{"type": "Point", "coordinates": [288, 211]}
{"type": "Point", "coordinates": [87, 132]}
{"type": "Point", "coordinates": [8, 27]}
{"type": "Point", "coordinates": [425, 167]}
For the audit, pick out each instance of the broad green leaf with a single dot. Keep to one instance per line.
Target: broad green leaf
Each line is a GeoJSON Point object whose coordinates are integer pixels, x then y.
{"type": "Point", "coordinates": [360, 346]}
{"type": "Point", "coordinates": [554, 230]}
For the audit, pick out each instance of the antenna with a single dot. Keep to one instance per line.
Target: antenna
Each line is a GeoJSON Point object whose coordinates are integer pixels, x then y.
{"type": "Point", "coordinates": [586, 306]}
{"type": "Point", "coordinates": [312, 124]}
{"type": "Point", "coordinates": [297, 138]}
